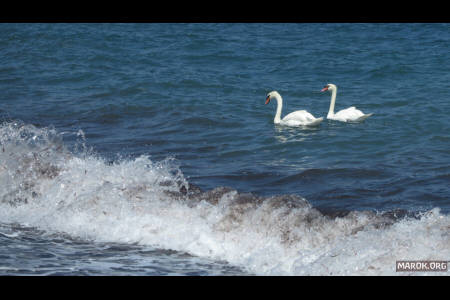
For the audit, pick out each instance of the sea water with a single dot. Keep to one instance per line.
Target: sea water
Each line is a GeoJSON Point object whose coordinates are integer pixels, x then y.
{"type": "Point", "coordinates": [146, 149]}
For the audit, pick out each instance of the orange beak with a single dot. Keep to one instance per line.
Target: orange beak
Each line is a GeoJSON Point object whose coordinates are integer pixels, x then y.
{"type": "Point", "coordinates": [324, 89]}
{"type": "Point", "coordinates": [267, 99]}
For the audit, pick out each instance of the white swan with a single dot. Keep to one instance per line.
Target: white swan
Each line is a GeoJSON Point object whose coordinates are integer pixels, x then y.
{"type": "Point", "coordinates": [350, 114]}
{"type": "Point", "coordinates": [296, 118]}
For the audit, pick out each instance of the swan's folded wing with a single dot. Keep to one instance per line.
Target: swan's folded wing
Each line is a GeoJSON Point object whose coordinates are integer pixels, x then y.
{"type": "Point", "coordinates": [301, 118]}
{"type": "Point", "coordinates": [299, 115]}
{"type": "Point", "coordinates": [348, 114]}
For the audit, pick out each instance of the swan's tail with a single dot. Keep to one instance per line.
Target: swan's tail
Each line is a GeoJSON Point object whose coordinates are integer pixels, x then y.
{"type": "Point", "coordinates": [362, 118]}
{"type": "Point", "coordinates": [316, 122]}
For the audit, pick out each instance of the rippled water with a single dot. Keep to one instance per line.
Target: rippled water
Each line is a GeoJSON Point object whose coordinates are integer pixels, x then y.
{"type": "Point", "coordinates": [124, 136]}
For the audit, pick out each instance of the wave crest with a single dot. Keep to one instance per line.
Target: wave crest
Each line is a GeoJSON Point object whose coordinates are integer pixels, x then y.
{"type": "Point", "coordinates": [43, 184]}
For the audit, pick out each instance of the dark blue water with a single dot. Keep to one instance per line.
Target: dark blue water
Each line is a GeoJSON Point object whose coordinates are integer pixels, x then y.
{"type": "Point", "coordinates": [194, 94]}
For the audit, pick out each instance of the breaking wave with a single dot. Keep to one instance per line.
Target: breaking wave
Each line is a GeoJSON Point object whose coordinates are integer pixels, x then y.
{"type": "Point", "coordinates": [46, 185]}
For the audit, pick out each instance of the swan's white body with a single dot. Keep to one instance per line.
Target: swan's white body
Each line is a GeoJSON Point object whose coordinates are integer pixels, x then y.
{"type": "Point", "coordinates": [350, 114]}
{"type": "Point", "coordinates": [296, 118]}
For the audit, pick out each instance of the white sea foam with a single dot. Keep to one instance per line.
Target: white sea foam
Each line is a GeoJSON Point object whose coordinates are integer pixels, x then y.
{"type": "Point", "coordinates": [44, 185]}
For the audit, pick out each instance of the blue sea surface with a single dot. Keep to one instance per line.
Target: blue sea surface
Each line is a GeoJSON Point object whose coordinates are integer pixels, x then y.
{"type": "Point", "coordinates": [190, 99]}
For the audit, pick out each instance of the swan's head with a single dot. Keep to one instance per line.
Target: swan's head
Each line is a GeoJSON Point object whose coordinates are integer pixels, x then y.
{"type": "Point", "coordinates": [271, 95]}
{"type": "Point", "coordinates": [329, 87]}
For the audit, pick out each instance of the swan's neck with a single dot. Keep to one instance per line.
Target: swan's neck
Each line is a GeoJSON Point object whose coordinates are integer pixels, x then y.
{"type": "Point", "coordinates": [277, 118]}
{"type": "Point", "coordinates": [333, 101]}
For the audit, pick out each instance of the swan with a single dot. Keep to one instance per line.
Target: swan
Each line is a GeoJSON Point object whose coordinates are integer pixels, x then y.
{"type": "Point", "coordinates": [350, 114]}
{"type": "Point", "coordinates": [296, 118]}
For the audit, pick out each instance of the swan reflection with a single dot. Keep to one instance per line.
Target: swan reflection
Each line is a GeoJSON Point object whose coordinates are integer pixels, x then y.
{"type": "Point", "coordinates": [285, 134]}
